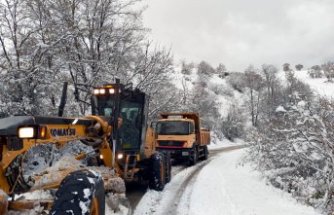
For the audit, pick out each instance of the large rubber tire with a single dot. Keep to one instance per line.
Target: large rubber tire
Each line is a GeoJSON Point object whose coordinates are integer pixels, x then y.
{"type": "Point", "coordinates": [168, 168]}
{"type": "Point", "coordinates": [157, 178]}
{"type": "Point", "coordinates": [205, 153]}
{"type": "Point", "coordinates": [193, 158]}
{"type": "Point", "coordinates": [80, 193]}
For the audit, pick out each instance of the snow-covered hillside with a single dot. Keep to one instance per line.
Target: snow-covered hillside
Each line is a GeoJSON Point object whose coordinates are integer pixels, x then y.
{"type": "Point", "coordinates": [320, 86]}
{"type": "Point", "coordinates": [212, 89]}
{"type": "Point", "coordinates": [216, 86]}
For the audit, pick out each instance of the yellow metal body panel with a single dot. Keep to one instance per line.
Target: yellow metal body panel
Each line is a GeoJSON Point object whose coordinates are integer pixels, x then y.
{"type": "Point", "coordinates": [188, 140]}
{"type": "Point", "coordinates": [80, 133]}
{"type": "Point", "coordinates": [201, 137]}
{"type": "Point", "coordinates": [107, 154]}
{"type": "Point", "coordinates": [9, 156]}
{"type": "Point", "coordinates": [149, 145]}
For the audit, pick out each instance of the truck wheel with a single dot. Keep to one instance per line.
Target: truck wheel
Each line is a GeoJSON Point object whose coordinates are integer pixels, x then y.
{"type": "Point", "coordinates": [168, 168]}
{"type": "Point", "coordinates": [81, 192]}
{"type": "Point", "coordinates": [193, 156]}
{"type": "Point", "coordinates": [205, 153]}
{"type": "Point", "coordinates": [157, 178]}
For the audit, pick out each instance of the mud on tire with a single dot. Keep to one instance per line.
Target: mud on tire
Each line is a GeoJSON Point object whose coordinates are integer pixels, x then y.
{"type": "Point", "coordinates": [81, 192]}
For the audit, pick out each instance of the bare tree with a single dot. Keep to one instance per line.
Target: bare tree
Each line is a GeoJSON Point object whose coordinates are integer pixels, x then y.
{"type": "Point", "coordinates": [24, 59]}
{"type": "Point", "coordinates": [254, 83]}
{"type": "Point", "coordinates": [272, 85]}
{"type": "Point", "coordinates": [84, 42]}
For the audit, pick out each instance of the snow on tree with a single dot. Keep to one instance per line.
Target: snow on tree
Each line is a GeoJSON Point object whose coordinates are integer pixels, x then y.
{"type": "Point", "coordinates": [328, 69]}
{"type": "Point", "coordinates": [186, 68]}
{"type": "Point", "coordinates": [315, 72]}
{"type": "Point", "coordinates": [26, 73]}
{"type": "Point", "coordinates": [254, 83]}
{"type": "Point", "coordinates": [293, 147]}
{"type": "Point", "coordinates": [204, 70]}
{"type": "Point", "coordinates": [222, 71]}
{"type": "Point", "coordinates": [86, 43]}
{"type": "Point", "coordinates": [272, 88]}
{"type": "Point", "coordinates": [292, 153]}
{"type": "Point", "coordinates": [299, 67]}
{"type": "Point", "coordinates": [286, 67]}
{"type": "Point", "coordinates": [233, 125]}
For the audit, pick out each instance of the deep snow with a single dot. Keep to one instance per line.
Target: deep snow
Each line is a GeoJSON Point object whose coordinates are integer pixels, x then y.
{"type": "Point", "coordinates": [225, 186]}
{"type": "Point", "coordinates": [220, 144]}
{"type": "Point", "coordinates": [320, 86]}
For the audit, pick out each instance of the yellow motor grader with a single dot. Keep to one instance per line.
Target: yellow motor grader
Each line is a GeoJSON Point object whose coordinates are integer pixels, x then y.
{"type": "Point", "coordinates": [47, 153]}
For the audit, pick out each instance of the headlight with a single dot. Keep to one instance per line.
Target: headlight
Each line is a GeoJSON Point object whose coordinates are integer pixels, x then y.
{"type": "Point", "coordinates": [96, 91]}
{"type": "Point", "coordinates": [102, 91]}
{"type": "Point", "coordinates": [27, 132]}
{"type": "Point", "coordinates": [120, 156]}
{"type": "Point", "coordinates": [111, 91]}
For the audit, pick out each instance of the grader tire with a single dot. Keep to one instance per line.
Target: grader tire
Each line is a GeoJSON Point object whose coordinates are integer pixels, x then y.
{"type": "Point", "coordinates": [168, 168]}
{"type": "Point", "coordinates": [81, 192]}
{"type": "Point", "coordinates": [157, 178]}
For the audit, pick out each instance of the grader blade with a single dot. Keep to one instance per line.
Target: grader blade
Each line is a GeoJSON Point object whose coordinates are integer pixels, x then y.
{"type": "Point", "coordinates": [53, 176]}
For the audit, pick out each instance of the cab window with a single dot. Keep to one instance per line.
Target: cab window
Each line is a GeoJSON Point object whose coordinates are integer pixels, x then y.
{"type": "Point", "coordinates": [130, 130]}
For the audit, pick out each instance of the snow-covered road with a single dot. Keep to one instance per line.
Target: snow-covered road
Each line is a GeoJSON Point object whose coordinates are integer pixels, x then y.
{"type": "Point", "coordinates": [135, 192]}
{"type": "Point", "coordinates": [222, 185]}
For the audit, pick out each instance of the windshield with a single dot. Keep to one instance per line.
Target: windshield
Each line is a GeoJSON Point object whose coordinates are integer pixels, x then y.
{"type": "Point", "coordinates": [174, 128]}
{"type": "Point", "coordinates": [105, 106]}
{"type": "Point", "coordinates": [130, 130]}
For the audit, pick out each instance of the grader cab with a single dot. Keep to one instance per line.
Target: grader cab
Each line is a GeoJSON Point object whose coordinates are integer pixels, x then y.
{"type": "Point", "coordinates": [80, 162]}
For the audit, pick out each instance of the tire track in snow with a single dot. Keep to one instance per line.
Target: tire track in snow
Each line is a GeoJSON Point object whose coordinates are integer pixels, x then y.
{"type": "Point", "coordinates": [185, 191]}
{"type": "Point", "coordinates": [173, 205]}
{"type": "Point", "coordinates": [180, 188]}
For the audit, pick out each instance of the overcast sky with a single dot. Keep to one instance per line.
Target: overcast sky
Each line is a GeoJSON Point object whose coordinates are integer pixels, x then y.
{"type": "Point", "coordinates": [242, 32]}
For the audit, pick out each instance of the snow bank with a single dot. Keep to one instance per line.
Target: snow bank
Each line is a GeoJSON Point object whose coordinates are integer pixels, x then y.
{"type": "Point", "coordinates": [220, 144]}
{"type": "Point", "coordinates": [226, 187]}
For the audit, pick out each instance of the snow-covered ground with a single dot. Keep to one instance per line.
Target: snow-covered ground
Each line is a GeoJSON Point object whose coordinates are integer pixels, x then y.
{"type": "Point", "coordinates": [222, 186]}
{"type": "Point", "coordinates": [219, 144]}
{"type": "Point", "coordinates": [319, 85]}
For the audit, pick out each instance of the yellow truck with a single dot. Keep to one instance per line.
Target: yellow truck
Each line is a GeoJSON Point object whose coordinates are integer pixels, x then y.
{"type": "Point", "coordinates": [180, 135]}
